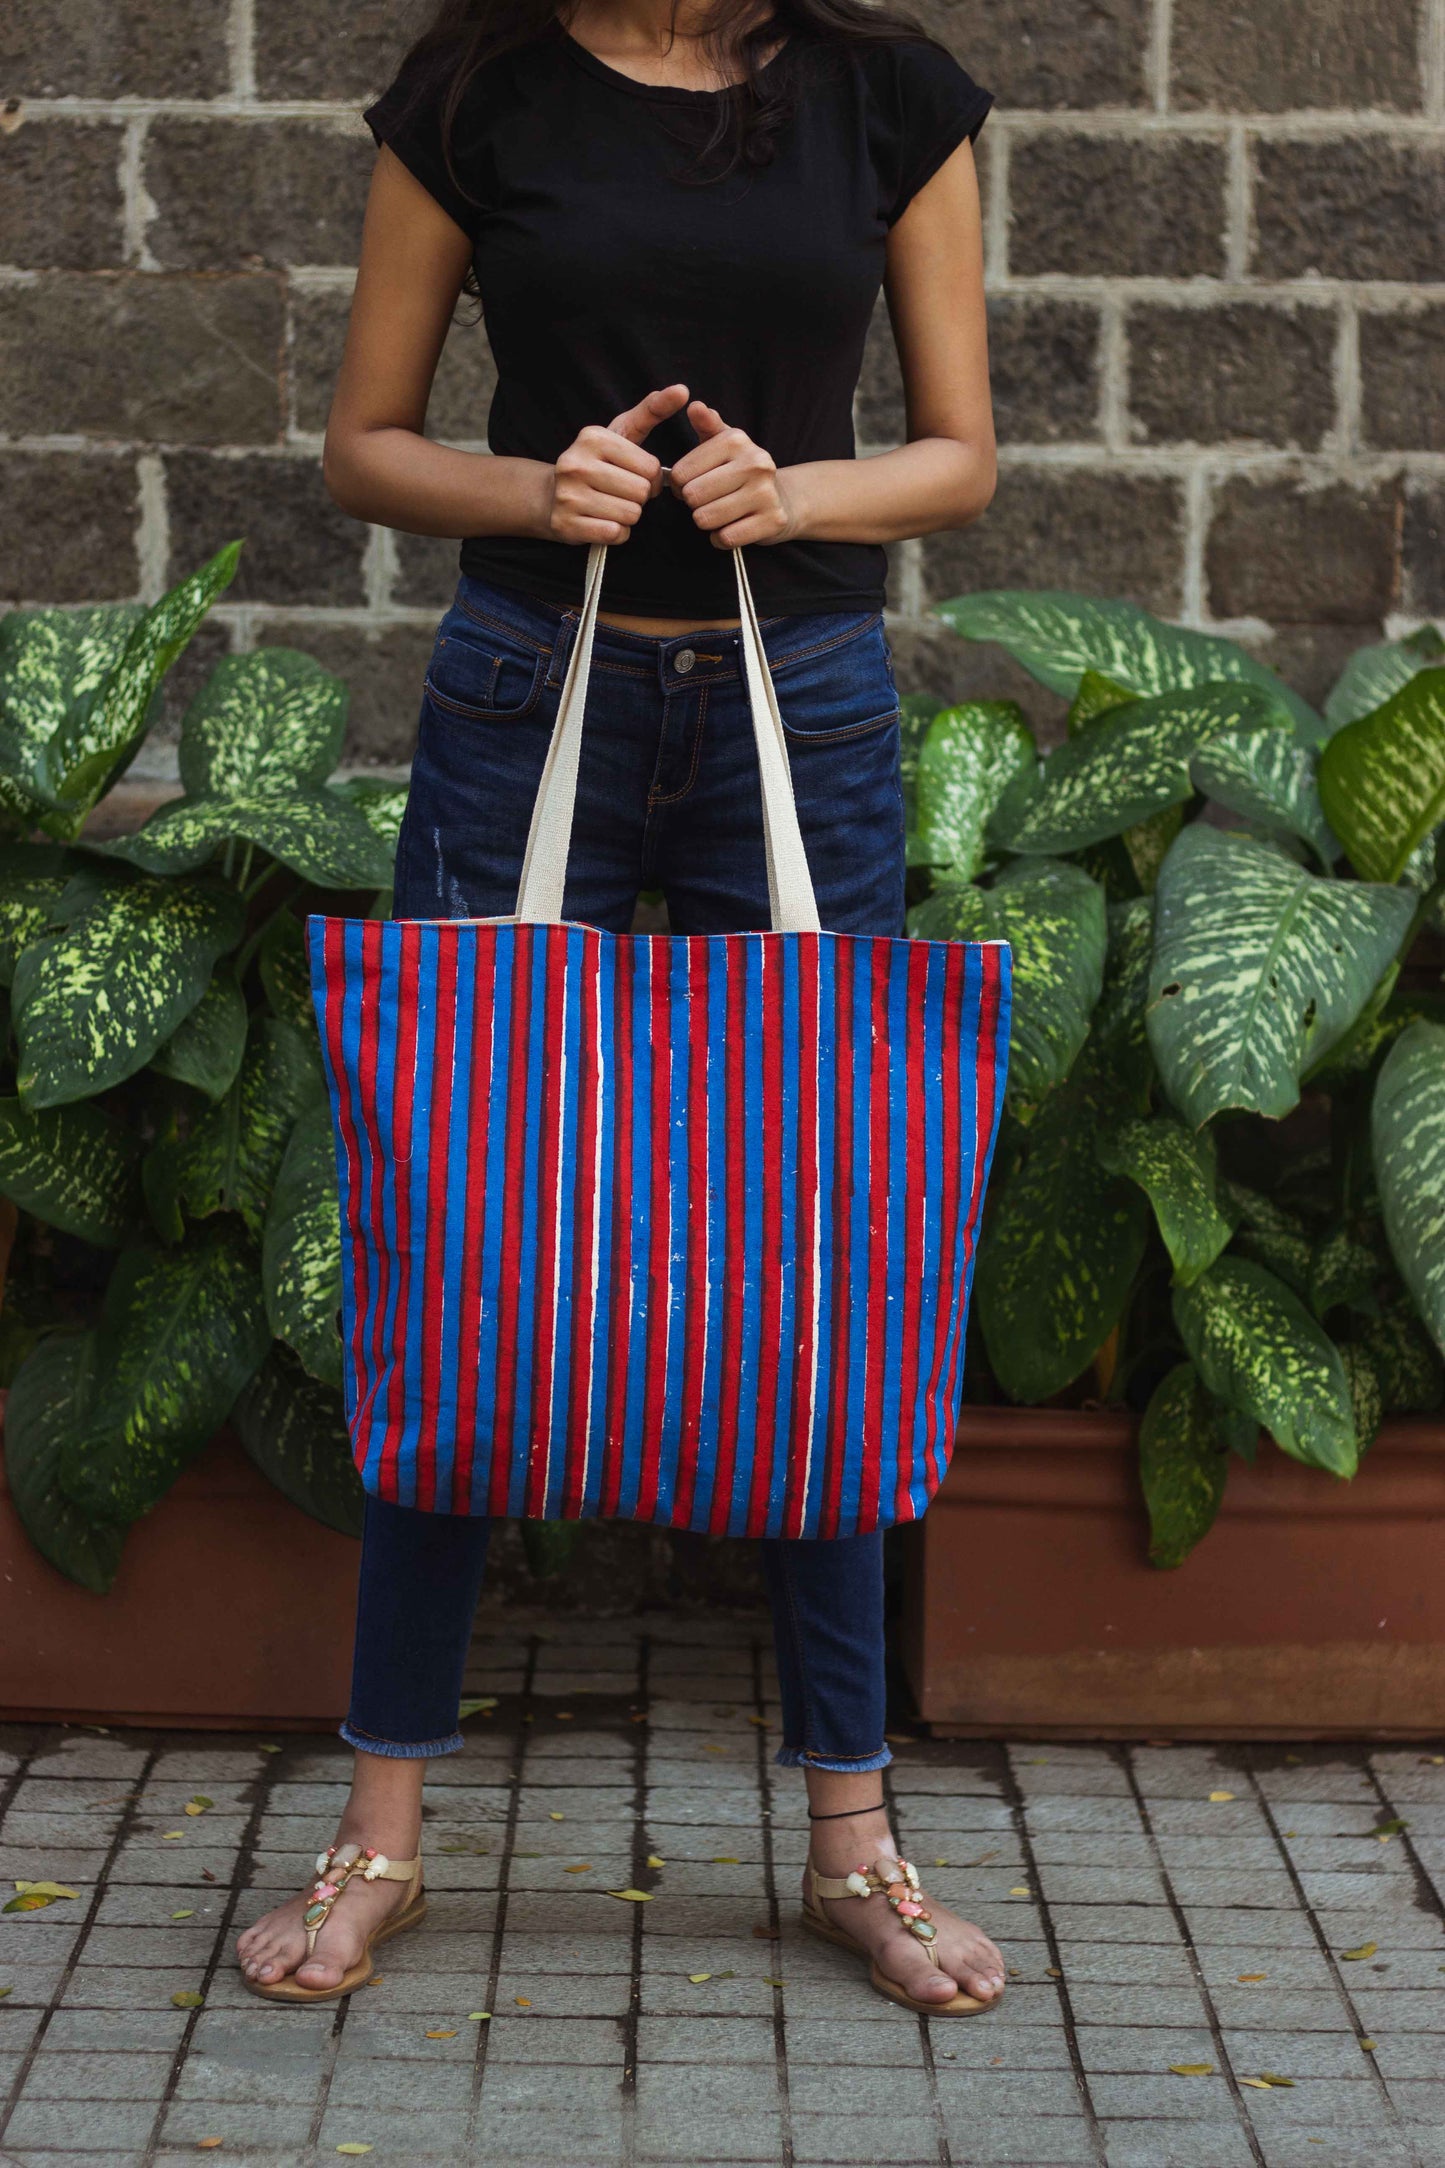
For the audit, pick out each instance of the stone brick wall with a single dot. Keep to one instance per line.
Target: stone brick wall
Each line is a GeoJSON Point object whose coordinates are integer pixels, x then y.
{"type": "Point", "coordinates": [1215, 234]}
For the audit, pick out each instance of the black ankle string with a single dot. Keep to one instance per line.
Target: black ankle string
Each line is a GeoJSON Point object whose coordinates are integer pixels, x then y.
{"type": "Point", "coordinates": [848, 1812]}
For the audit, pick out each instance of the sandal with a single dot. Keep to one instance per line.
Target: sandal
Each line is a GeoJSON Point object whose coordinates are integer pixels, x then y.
{"type": "Point", "coordinates": [896, 1880]}
{"type": "Point", "coordinates": [335, 1867]}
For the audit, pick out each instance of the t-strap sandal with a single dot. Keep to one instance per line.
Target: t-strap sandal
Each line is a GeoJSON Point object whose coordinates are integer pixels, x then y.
{"type": "Point", "coordinates": [896, 1880]}
{"type": "Point", "coordinates": [335, 1867]}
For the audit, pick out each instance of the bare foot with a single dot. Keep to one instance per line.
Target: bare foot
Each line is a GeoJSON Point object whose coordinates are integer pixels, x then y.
{"type": "Point", "coordinates": [967, 1960]}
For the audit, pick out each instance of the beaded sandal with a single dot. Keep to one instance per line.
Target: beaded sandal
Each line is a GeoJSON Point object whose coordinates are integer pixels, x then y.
{"type": "Point", "coordinates": [335, 1868]}
{"type": "Point", "coordinates": [896, 1880]}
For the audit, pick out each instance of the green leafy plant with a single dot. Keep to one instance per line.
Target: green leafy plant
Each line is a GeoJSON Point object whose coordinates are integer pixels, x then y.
{"type": "Point", "coordinates": [164, 1134]}
{"type": "Point", "coordinates": [1220, 1189]}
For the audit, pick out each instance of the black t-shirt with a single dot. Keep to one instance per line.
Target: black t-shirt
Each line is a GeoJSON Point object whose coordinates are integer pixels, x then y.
{"type": "Point", "coordinates": [608, 269]}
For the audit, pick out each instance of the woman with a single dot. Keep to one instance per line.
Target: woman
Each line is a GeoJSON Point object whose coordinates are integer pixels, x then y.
{"type": "Point", "coordinates": [677, 219]}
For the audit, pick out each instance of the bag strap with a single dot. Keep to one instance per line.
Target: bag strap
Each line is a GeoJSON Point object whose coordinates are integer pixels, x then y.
{"type": "Point", "coordinates": [792, 906]}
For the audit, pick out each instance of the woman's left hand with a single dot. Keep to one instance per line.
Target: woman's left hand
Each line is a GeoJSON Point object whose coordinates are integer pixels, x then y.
{"type": "Point", "coordinates": [731, 486]}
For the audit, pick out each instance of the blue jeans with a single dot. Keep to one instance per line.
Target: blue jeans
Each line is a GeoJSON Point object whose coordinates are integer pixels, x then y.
{"type": "Point", "coordinates": [667, 798]}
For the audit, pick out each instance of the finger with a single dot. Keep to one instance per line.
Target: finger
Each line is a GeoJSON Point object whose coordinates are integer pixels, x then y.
{"type": "Point", "coordinates": [733, 504]}
{"type": "Point", "coordinates": [705, 419]}
{"type": "Point", "coordinates": [703, 458]}
{"type": "Point", "coordinates": [753, 527]}
{"type": "Point", "coordinates": [595, 503]}
{"type": "Point", "coordinates": [658, 406]}
{"type": "Point", "coordinates": [717, 482]}
{"type": "Point", "coordinates": [598, 447]}
{"type": "Point", "coordinates": [596, 530]}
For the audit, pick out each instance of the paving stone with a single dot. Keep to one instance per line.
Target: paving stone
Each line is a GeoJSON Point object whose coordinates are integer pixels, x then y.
{"type": "Point", "coordinates": [365, 2082]}
{"type": "Point", "coordinates": [1043, 2141]}
{"type": "Point", "coordinates": [854, 2090]}
{"type": "Point", "coordinates": [1141, 2048]}
{"type": "Point", "coordinates": [69, 2125]}
{"type": "Point", "coordinates": [1298, 2055]}
{"type": "Point", "coordinates": [1339, 2101]}
{"type": "Point", "coordinates": [839, 2138]}
{"type": "Point", "coordinates": [84, 2075]}
{"type": "Point", "coordinates": [407, 2134]}
{"type": "Point", "coordinates": [1121, 1964]}
{"type": "Point", "coordinates": [1295, 2009]}
{"type": "Point", "coordinates": [699, 2040]}
{"type": "Point", "coordinates": [1152, 2144]}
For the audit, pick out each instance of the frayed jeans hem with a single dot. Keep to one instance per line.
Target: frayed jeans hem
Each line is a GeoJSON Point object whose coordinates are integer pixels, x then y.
{"type": "Point", "coordinates": [802, 1757]}
{"type": "Point", "coordinates": [401, 1749]}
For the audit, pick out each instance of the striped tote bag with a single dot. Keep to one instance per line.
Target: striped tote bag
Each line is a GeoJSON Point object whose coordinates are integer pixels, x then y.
{"type": "Point", "coordinates": [672, 1229]}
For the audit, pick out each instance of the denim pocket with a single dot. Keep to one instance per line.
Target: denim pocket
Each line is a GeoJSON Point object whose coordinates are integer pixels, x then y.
{"type": "Point", "coordinates": [837, 688]}
{"type": "Point", "coordinates": [483, 671]}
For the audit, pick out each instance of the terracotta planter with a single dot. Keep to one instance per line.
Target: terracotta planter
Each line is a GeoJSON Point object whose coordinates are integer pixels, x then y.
{"type": "Point", "coordinates": [232, 1609]}
{"type": "Point", "coordinates": [1314, 1609]}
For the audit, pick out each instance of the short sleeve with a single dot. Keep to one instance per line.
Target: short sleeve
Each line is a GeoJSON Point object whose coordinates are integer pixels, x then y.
{"type": "Point", "coordinates": [408, 119]}
{"type": "Point", "coordinates": [931, 108]}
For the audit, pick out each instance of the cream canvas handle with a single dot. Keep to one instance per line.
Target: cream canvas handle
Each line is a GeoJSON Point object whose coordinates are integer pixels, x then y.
{"type": "Point", "coordinates": [792, 906]}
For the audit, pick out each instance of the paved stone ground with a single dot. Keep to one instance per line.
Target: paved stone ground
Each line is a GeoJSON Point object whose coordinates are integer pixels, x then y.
{"type": "Point", "coordinates": [1145, 1922]}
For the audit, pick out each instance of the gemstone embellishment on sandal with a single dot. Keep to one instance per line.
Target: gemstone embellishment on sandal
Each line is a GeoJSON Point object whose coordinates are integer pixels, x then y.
{"type": "Point", "coordinates": [897, 1880]}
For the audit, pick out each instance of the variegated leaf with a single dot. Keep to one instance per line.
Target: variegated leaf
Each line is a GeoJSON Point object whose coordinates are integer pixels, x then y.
{"type": "Point", "coordinates": [1344, 1274]}
{"type": "Point", "coordinates": [1183, 1465]}
{"type": "Point", "coordinates": [32, 882]}
{"type": "Point", "coordinates": [44, 1411]}
{"type": "Point", "coordinates": [53, 663]}
{"type": "Point", "coordinates": [1053, 917]}
{"type": "Point", "coordinates": [95, 1000]}
{"type": "Point", "coordinates": [184, 1331]}
{"type": "Point", "coordinates": [315, 832]}
{"type": "Point", "coordinates": [73, 1167]}
{"type": "Point", "coordinates": [1382, 778]}
{"type": "Point", "coordinates": [1269, 777]}
{"type": "Point", "coordinates": [1408, 1129]}
{"type": "Point", "coordinates": [285, 973]}
{"type": "Point", "coordinates": [971, 757]}
{"type": "Point", "coordinates": [1404, 1359]}
{"type": "Point", "coordinates": [1062, 1242]}
{"type": "Point", "coordinates": [97, 739]}
{"type": "Point", "coordinates": [294, 1429]}
{"type": "Point", "coordinates": [1259, 967]}
{"type": "Point", "coordinates": [301, 1247]}
{"type": "Point", "coordinates": [1057, 637]}
{"type": "Point", "coordinates": [1096, 696]}
{"type": "Point", "coordinates": [207, 1048]}
{"type": "Point", "coordinates": [1373, 674]}
{"type": "Point", "coordinates": [381, 803]}
{"type": "Point", "coordinates": [1175, 1168]}
{"type": "Point", "coordinates": [231, 1158]}
{"type": "Point", "coordinates": [1256, 1346]}
{"type": "Point", "coordinates": [1366, 1398]}
{"type": "Point", "coordinates": [1118, 1031]}
{"type": "Point", "coordinates": [261, 724]}
{"type": "Point", "coordinates": [1127, 766]}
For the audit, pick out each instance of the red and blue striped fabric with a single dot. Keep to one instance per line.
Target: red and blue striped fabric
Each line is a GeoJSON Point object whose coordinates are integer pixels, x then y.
{"type": "Point", "coordinates": [672, 1229]}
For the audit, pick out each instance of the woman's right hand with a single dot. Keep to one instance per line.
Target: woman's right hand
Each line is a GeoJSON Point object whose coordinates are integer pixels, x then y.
{"type": "Point", "coordinates": [604, 478]}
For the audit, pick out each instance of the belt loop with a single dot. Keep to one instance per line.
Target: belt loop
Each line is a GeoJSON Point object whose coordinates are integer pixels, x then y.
{"type": "Point", "coordinates": [562, 648]}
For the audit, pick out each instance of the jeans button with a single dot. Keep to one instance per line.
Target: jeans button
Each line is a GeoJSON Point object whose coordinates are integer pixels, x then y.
{"type": "Point", "coordinates": [683, 660]}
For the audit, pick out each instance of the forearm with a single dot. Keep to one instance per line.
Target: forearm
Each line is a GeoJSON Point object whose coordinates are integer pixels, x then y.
{"type": "Point", "coordinates": [934, 483]}
{"type": "Point", "coordinates": [401, 479]}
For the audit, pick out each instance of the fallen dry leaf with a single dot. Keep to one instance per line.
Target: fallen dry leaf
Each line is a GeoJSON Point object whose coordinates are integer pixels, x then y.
{"type": "Point", "coordinates": [632, 1896]}
{"type": "Point", "coordinates": [376, 1979]}
{"type": "Point", "coordinates": [760, 1721]}
{"type": "Point", "coordinates": [168, 1834]}
{"type": "Point", "coordinates": [1369, 2046]}
{"type": "Point", "coordinates": [187, 1998]}
{"type": "Point", "coordinates": [940, 1863]}
{"type": "Point", "coordinates": [563, 1716]}
{"type": "Point", "coordinates": [45, 1889]}
{"type": "Point", "coordinates": [4, 1991]}
{"type": "Point", "coordinates": [441, 2035]}
{"type": "Point", "coordinates": [583, 1867]}
{"type": "Point", "coordinates": [1258, 2083]}
{"type": "Point", "coordinates": [1192, 2070]}
{"type": "Point", "coordinates": [1021, 1890]}
{"type": "Point", "coordinates": [206, 1875]}
{"type": "Point", "coordinates": [199, 1804]}
{"type": "Point", "coordinates": [709, 1748]}
{"type": "Point", "coordinates": [770, 1981]}
{"type": "Point", "coordinates": [353, 2145]}
{"type": "Point", "coordinates": [478, 1703]}
{"type": "Point", "coordinates": [478, 2017]}
{"type": "Point", "coordinates": [1366, 1949]}
{"type": "Point", "coordinates": [1386, 1830]}
{"type": "Point", "coordinates": [522, 2001]}
{"type": "Point", "coordinates": [268, 1748]}
{"type": "Point", "coordinates": [1272, 2077]}
{"type": "Point", "coordinates": [188, 1913]}
{"type": "Point", "coordinates": [1217, 1799]}
{"type": "Point", "coordinates": [26, 1904]}
{"type": "Point", "coordinates": [639, 1717]}
{"type": "Point", "coordinates": [1248, 1979]}
{"type": "Point", "coordinates": [653, 1860]}
{"type": "Point", "coordinates": [725, 1859]}
{"type": "Point", "coordinates": [205, 2145]}
{"type": "Point", "coordinates": [556, 1816]}
{"type": "Point", "coordinates": [697, 1978]}
{"type": "Point", "coordinates": [1052, 1972]}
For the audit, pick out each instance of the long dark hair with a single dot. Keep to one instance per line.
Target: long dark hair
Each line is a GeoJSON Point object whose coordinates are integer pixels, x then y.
{"type": "Point", "coordinates": [465, 34]}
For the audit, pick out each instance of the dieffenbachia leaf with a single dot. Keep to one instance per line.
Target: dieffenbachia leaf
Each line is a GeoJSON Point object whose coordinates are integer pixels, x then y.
{"type": "Point", "coordinates": [285, 973]}
{"type": "Point", "coordinates": [230, 1160]}
{"type": "Point", "coordinates": [1373, 674]}
{"type": "Point", "coordinates": [1183, 1465]}
{"type": "Point", "coordinates": [97, 738]}
{"type": "Point", "coordinates": [33, 877]}
{"type": "Point", "coordinates": [1269, 777]}
{"type": "Point", "coordinates": [294, 1429]}
{"type": "Point", "coordinates": [301, 1247]}
{"type": "Point", "coordinates": [94, 1001]}
{"type": "Point", "coordinates": [382, 804]}
{"type": "Point", "coordinates": [316, 832]}
{"type": "Point", "coordinates": [1382, 778]}
{"type": "Point", "coordinates": [1366, 1396]}
{"type": "Point", "coordinates": [1404, 1359]}
{"type": "Point", "coordinates": [1118, 1028]}
{"type": "Point", "coordinates": [1343, 1274]}
{"type": "Point", "coordinates": [206, 1049]}
{"type": "Point", "coordinates": [44, 1411]}
{"type": "Point", "coordinates": [1057, 637]}
{"type": "Point", "coordinates": [184, 1330]}
{"type": "Point", "coordinates": [1259, 967]}
{"type": "Point", "coordinates": [1096, 696]}
{"type": "Point", "coordinates": [1256, 1347]}
{"type": "Point", "coordinates": [1053, 916]}
{"type": "Point", "coordinates": [1061, 1245]}
{"type": "Point", "coordinates": [971, 758]}
{"type": "Point", "coordinates": [1408, 1132]}
{"type": "Point", "coordinates": [73, 1167]}
{"type": "Point", "coordinates": [1174, 1166]}
{"type": "Point", "coordinates": [1129, 765]}
{"type": "Point", "coordinates": [261, 724]}
{"type": "Point", "coordinates": [53, 663]}
{"type": "Point", "coordinates": [915, 713]}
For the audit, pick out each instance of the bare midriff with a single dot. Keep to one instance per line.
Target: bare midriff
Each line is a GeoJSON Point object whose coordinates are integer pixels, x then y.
{"type": "Point", "coordinates": [664, 628]}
